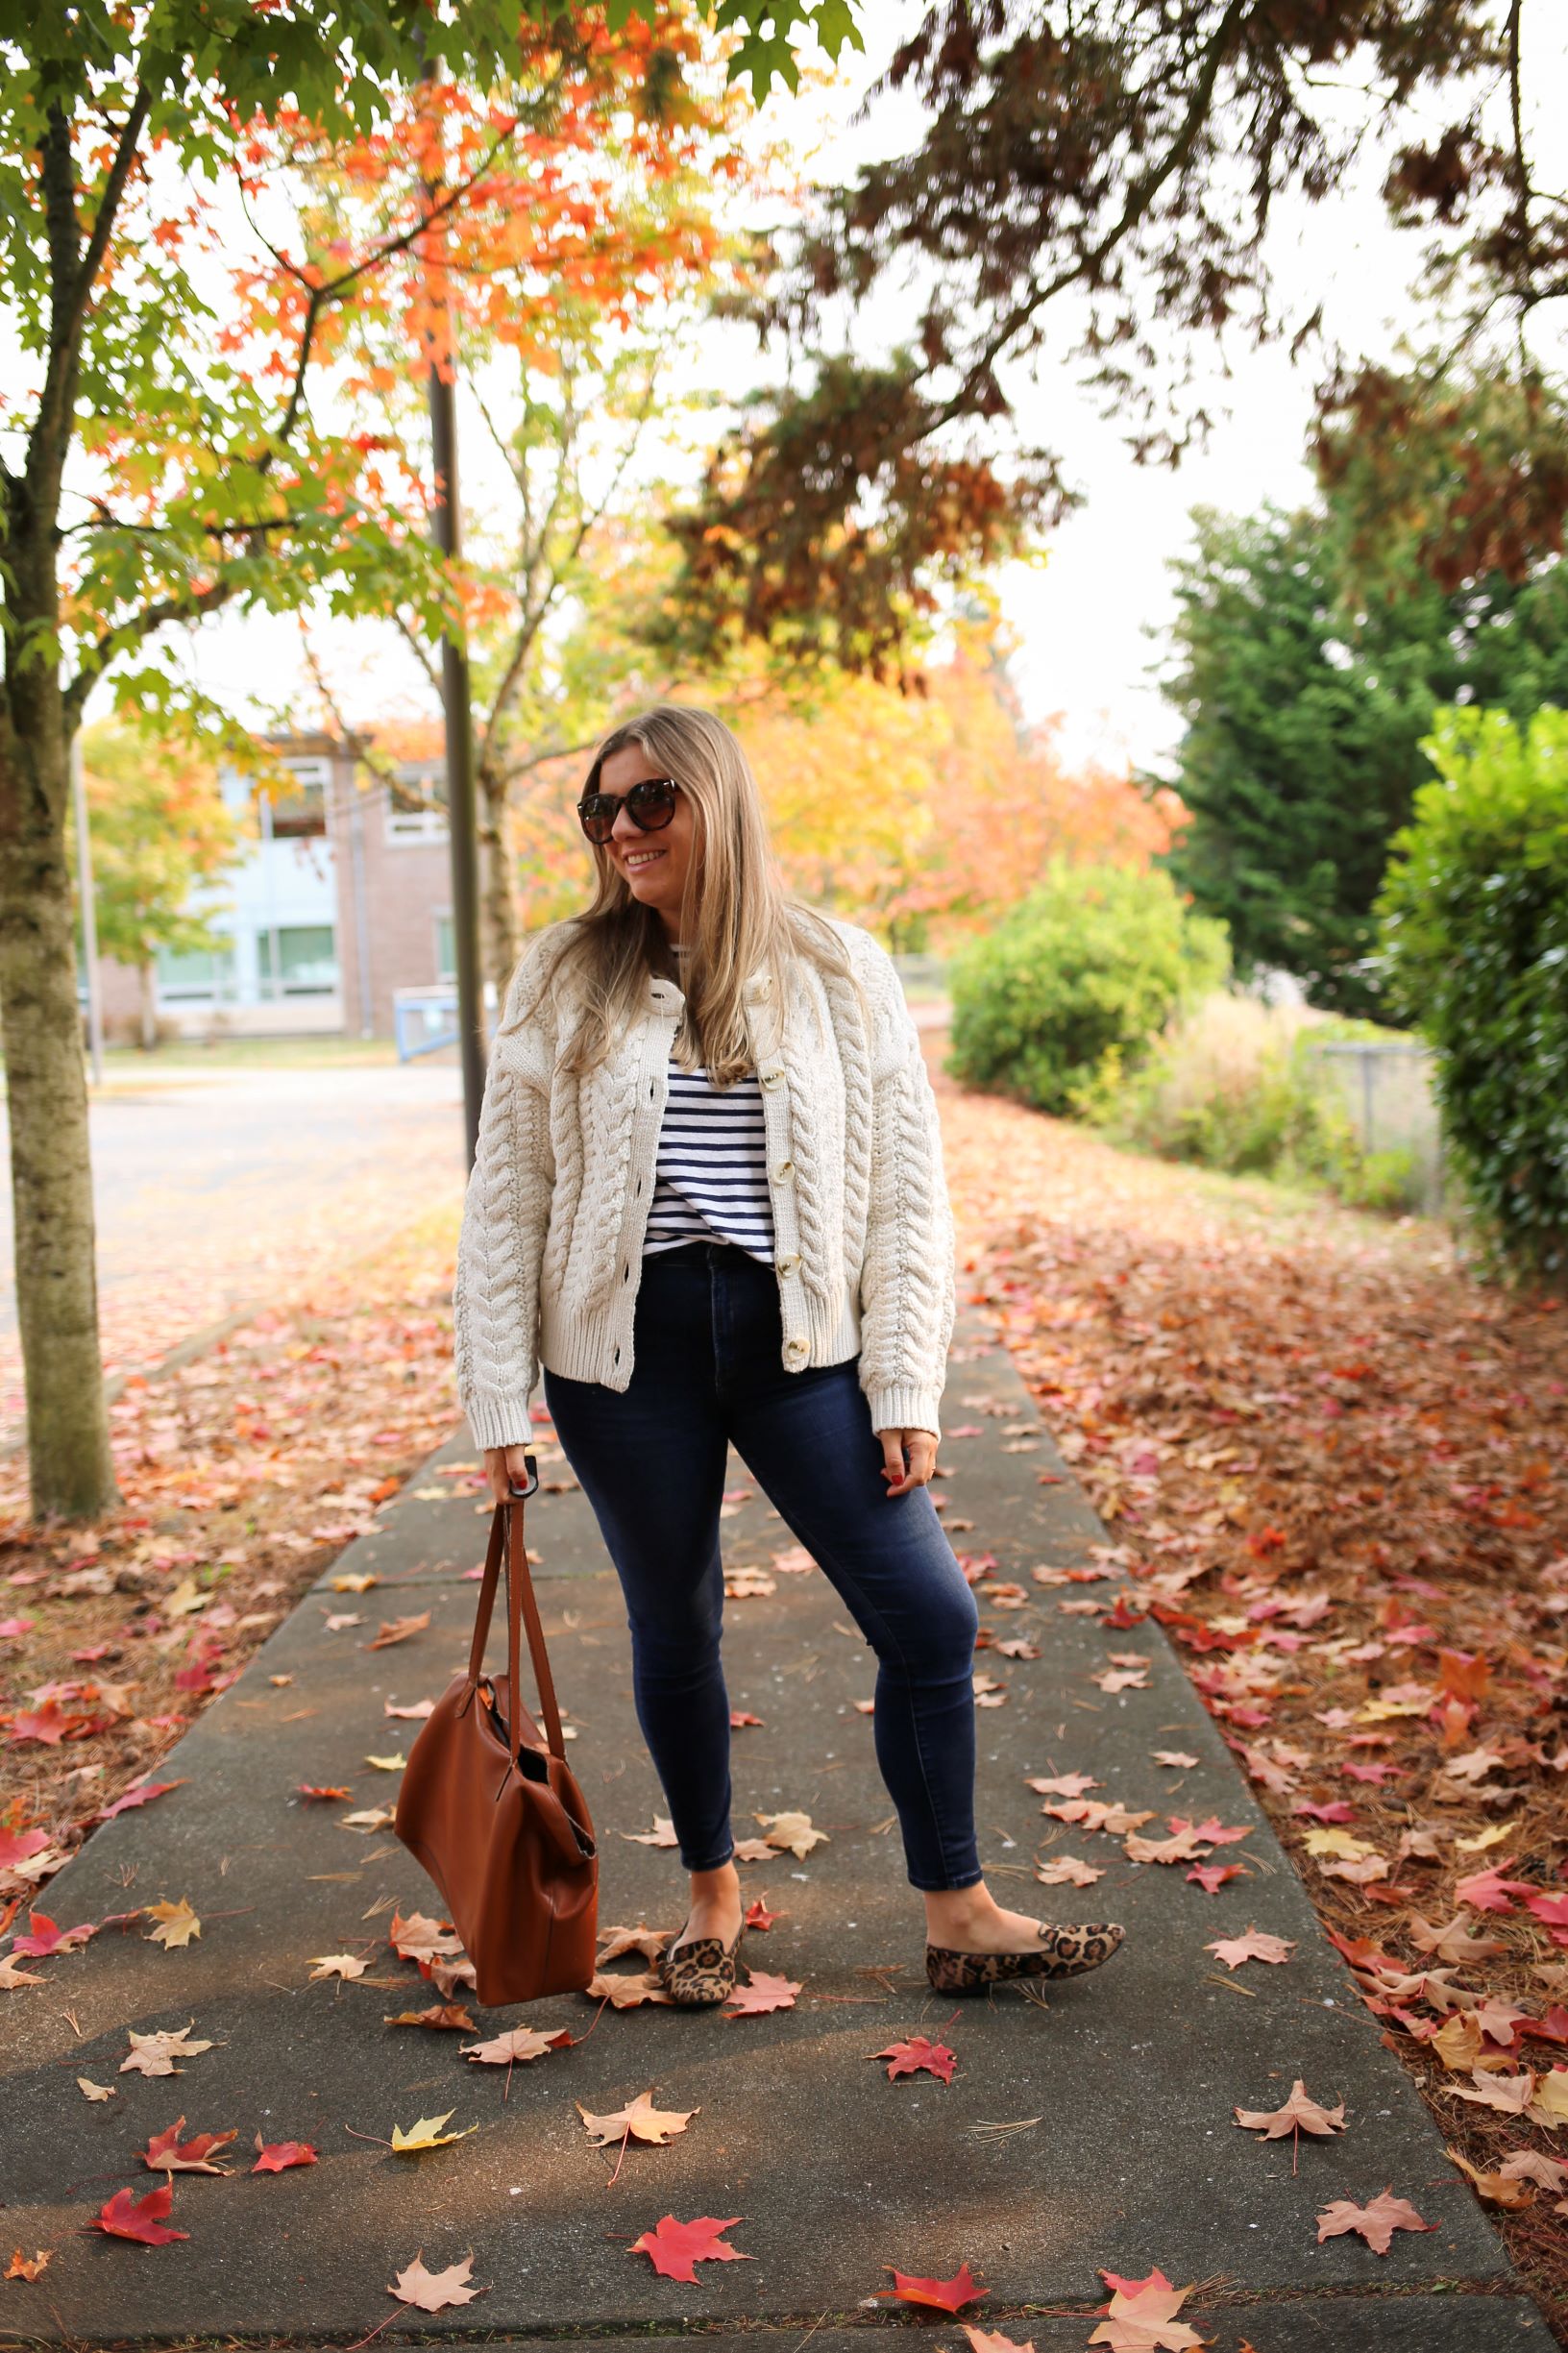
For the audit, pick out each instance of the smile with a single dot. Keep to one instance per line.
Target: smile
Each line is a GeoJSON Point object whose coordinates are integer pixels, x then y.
{"type": "Point", "coordinates": [636, 858]}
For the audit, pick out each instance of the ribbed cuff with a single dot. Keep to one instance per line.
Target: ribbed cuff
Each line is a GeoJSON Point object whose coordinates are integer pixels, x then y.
{"type": "Point", "coordinates": [905, 1408]}
{"type": "Point", "coordinates": [499, 1421]}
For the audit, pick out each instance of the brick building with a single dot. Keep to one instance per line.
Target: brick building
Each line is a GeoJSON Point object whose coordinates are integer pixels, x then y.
{"type": "Point", "coordinates": [340, 898]}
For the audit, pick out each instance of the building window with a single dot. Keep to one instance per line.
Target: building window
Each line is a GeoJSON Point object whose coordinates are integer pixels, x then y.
{"type": "Point", "coordinates": [200, 972]}
{"type": "Point", "coordinates": [445, 948]}
{"type": "Point", "coordinates": [416, 805]}
{"type": "Point", "coordinates": [307, 960]}
{"type": "Point", "coordinates": [298, 813]}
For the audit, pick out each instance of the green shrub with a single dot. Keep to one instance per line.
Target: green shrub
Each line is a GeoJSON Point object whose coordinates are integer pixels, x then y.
{"type": "Point", "coordinates": [1475, 945]}
{"type": "Point", "coordinates": [1084, 972]}
{"type": "Point", "coordinates": [1230, 1087]}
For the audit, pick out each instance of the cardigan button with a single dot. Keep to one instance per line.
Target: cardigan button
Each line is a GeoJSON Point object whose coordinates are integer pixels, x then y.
{"type": "Point", "coordinates": [788, 1264]}
{"type": "Point", "coordinates": [785, 1168]}
{"type": "Point", "coordinates": [795, 1346]}
{"type": "Point", "coordinates": [771, 1078]}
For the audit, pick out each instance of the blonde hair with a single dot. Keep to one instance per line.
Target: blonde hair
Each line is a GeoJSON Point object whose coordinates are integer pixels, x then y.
{"type": "Point", "coordinates": [735, 911]}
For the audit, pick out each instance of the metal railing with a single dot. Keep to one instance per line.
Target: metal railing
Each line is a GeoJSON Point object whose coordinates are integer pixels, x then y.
{"type": "Point", "coordinates": [1386, 1087]}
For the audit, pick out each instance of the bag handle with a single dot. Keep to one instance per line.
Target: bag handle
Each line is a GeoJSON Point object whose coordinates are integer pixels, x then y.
{"type": "Point", "coordinates": [506, 1539]}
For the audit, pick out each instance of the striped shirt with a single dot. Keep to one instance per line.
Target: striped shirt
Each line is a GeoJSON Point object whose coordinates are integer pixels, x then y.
{"type": "Point", "coordinates": [711, 1173]}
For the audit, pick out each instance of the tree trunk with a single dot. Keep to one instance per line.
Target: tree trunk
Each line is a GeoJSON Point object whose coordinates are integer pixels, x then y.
{"type": "Point", "coordinates": [148, 976]}
{"type": "Point", "coordinates": [51, 1175]}
{"type": "Point", "coordinates": [501, 941]}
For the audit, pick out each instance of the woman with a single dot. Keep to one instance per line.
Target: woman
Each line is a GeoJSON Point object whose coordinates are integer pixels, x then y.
{"type": "Point", "coordinates": [708, 1198]}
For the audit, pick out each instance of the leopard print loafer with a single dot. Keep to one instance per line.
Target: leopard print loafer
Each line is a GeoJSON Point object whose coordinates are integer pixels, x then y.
{"type": "Point", "coordinates": [1061, 1953]}
{"type": "Point", "coordinates": [699, 1975]}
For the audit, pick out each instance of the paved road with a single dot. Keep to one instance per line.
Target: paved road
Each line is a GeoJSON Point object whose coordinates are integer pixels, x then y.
{"type": "Point", "coordinates": [211, 1193]}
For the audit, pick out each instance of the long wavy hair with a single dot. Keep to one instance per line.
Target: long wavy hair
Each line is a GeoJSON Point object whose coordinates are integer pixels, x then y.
{"type": "Point", "coordinates": [735, 911]}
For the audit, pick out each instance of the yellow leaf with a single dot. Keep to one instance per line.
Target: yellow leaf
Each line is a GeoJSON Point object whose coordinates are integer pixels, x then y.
{"type": "Point", "coordinates": [1330, 1841]}
{"type": "Point", "coordinates": [387, 1764]}
{"type": "Point", "coordinates": [353, 1585]}
{"type": "Point", "coordinates": [188, 1595]}
{"type": "Point", "coordinates": [1550, 2104]}
{"type": "Point", "coordinates": [1491, 1837]}
{"type": "Point", "coordinates": [428, 2133]}
{"type": "Point", "coordinates": [177, 1925]}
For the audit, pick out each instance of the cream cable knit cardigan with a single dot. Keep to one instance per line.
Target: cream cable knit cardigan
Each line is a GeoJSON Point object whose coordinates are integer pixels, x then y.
{"type": "Point", "coordinates": [550, 1255]}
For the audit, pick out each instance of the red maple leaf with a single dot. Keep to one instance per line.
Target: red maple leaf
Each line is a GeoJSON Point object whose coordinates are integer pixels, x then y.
{"type": "Point", "coordinates": [308, 1789]}
{"type": "Point", "coordinates": [142, 1795]}
{"type": "Point", "coordinates": [47, 1936]}
{"type": "Point", "coordinates": [49, 1723]}
{"type": "Point", "coordinates": [739, 1716]}
{"type": "Point", "coordinates": [1485, 1892]}
{"type": "Point", "coordinates": [16, 1845]}
{"type": "Point", "coordinates": [674, 2247]}
{"type": "Point", "coordinates": [758, 1916]}
{"type": "Point", "coordinates": [941, 2295]}
{"type": "Point", "coordinates": [909, 2058]}
{"type": "Point", "coordinates": [1212, 1876]}
{"type": "Point", "coordinates": [278, 2155]}
{"type": "Point", "coordinates": [125, 2215]}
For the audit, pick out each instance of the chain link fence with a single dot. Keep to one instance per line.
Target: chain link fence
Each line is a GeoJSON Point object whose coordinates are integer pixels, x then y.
{"type": "Point", "coordinates": [1386, 1087]}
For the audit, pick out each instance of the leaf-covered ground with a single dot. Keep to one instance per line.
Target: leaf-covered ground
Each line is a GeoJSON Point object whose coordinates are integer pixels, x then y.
{"type": "Point", "coordinates": [1336, 1469]}
{"type": "Point", "coordinates": [242, 1476]}
{"type": "Point", "coordinates": [1331, 1465]}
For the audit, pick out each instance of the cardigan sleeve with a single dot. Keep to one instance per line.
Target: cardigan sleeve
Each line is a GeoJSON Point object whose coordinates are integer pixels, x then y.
{"type": "Point", "coordinates": [907, 1285]}
{"type": "Point", "coordinates": [502, 1240]}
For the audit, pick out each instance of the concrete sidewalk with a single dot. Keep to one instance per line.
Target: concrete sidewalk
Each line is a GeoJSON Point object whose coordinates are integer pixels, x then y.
{"type": "Point", "coordinates": [1120, 2090]}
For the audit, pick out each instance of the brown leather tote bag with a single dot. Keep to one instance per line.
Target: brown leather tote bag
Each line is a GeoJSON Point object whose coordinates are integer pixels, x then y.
{"type": "Point", "coordinates": [490, 1805]}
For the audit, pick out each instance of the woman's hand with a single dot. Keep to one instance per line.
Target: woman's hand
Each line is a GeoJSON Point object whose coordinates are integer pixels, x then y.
{"type": "Point", "coordinates": [501, 1462]}
{"type": "Point", "coordinates": [921, 1448]}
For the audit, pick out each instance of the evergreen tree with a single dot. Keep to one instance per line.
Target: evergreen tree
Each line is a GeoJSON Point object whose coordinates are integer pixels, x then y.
{"type": "Point", "coordinates": [1303, 717]}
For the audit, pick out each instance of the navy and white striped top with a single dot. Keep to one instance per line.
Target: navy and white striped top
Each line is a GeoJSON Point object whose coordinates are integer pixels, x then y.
{"type": "Point", "coordinates": [711, 1174]}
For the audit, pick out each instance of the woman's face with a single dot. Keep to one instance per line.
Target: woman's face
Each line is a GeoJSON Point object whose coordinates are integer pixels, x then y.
{"type": "Point", "coordinates": [654, 864]}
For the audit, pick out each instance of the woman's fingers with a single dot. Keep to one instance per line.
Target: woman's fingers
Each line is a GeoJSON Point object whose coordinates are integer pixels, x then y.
{"type": "Point", "coordinates": [919, 1446]}
{"type": "Point", "coordinates": [503, 1464]}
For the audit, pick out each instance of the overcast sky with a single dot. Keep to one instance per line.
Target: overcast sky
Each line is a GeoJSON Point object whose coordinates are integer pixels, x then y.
{"type": "Point", "coordinates": [1096, 616]}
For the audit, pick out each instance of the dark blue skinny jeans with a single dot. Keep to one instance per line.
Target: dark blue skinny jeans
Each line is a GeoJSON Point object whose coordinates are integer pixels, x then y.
{"type": "Point", "coordinates": [706, 1372]}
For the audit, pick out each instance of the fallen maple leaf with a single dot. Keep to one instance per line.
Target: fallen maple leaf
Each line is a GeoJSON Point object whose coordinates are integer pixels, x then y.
{"type": "Point", "coordinates": [1212, 1876]}
{"type": "Point", "coordinates": [441, 2018]}
{"type": "Point", "coordinates": [1300, 2113]}
{"type": "Point", "coordinates": [46, 1936]}
{"type": "Point", "coordinates": [625, 1993]}
{"type": "Point", "coordinates": [125, 2215]}
{"type": "Point", "coordinates": [97, 2091]}
{"type": "Point", "coordinates": [1255, 1946]}
{"type": "Point", "coordinates": [1141, 2316]}
{"type": "Point", "coordinates": [1500, 2189]}
{"type": "Point", "coordinates": [398, 1629]}
{"type": "Point", "coordinates": [791, 1833]}
{"type": "Point", "coordinates": [428, 2133]}
{"type": "Point", "coordinates": [759, 1994]}
{"type": "Point", "coordinates": [638, 2120]}
{"type": "Point", "coordinates": [434, 2291]}
{"type": "Point", "coordinates": [163, 2153]}
{"type": "Point", "coordinates": [940, 2295]}
{"type": "Point", "coordinates": [990, 2340]}
{"type": "Point", "coordinates": [155, 2054]}
{"type": "Point", "coordinates": [1066, 1871]}
{"type": "Point", "coordinates": [277, 2156]}
{"type": "Point", "coordinates": [1376, 2222]}
{"type": "Point", "coordinates": [1453, 1942]}
{"type": "Point", "coordinates": [614, 1943]}
{"type": "Point", "coordinates": [674, 2247]}
{"type": "Point", "coordinates": [176, 1924]}
{"type": "Point", "coordinates": [11, 1976]}
{"type": "Point", "coordinates": [23, 2266]}
{"type": "Point", "coordinates": [758, 1916]}
{"type": "Point", "coordinates": [662, 1834]}
{"type": "Point", "coordinates": [313, 1789]}
{"type": "Point", "coordinates": [1173, 1758]}
{"type": "Point", "coordinates": [337, 1965]}
{"type": "Point", "coordinates": [519, 2044]}
{"type": "Point", "coordinates": [917, 2054]}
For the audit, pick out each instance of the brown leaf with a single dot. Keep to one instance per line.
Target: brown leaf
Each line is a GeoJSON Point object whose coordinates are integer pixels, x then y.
{"type": "Point", "coordinates": [638, 2120]}
{"type": "Point", "coordinates": [625, 1993]}
{"type": "Point", "coordinates": [1299, 2113]}
{"type": "Point", "coordinates": [398, 1629]}
{"type": "Point", "coordinates": [1376, 2222]}
{"type": "Point", "coordinates": [434, 2291]}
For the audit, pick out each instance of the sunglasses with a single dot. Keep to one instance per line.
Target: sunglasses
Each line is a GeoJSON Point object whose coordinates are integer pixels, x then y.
{"type": "Point", "coordinates": [649, 805]}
